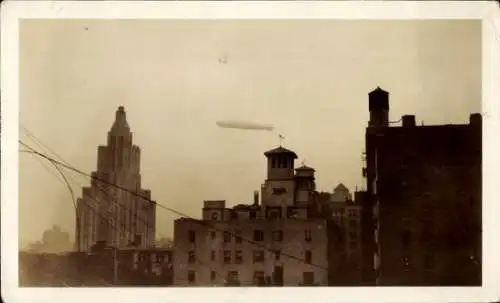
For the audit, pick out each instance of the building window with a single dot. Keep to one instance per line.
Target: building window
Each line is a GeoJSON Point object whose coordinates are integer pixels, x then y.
{"type": "Point", "coordinates": [212, 235]}
{"type": "Point", "coordinates": [238, 238]}
{"type": "Point", "coordinates": [215, 216]}
{"type": "Point", "coordinates": [291, 212]}
{"type": "Point", "coordinates": [192, 236]}
{"type": "Point", "coordinates": [277, 255]}
{"type": "Point", "coordinates": [227, 257]}
{"type": "Point", "coordinates": [352, 213]}
{"type": "Point", "coordinates": [274, 215]}
{"type": "Point", "coordinates": [258, 235]}
{"type": "Point", "coordinates": [308, 278]}
{"type": "Point", "coordinates": [232, 278]}
{"type": "Point", "coordinates": [277, 235]}
{"type": "Point", "coordinates": [273, 162]}
{"type": "Point", "coordinates": [307, 235]}
{"type": "Point", "coordinates": [213, 255]}
{"type": "Point", "coordinates": [279, 191]}
{"type": "Point", "coordinates": [253, 215]}
{"type": "Point", "coordinates": [227, 236]}
{"type": "Point", "coordinates": [353, 223]}
{"type": "Point", "coordinates": [258, 278]}
{"type": "Point", "coordinates": [258, 256]}
{"type": "Point", "coordinates": [191, 276]}
{"type": "Point", "coordinates": [212, 275]}
{"type": "Point", "coordinates": [238, 257]}
{"type": "Point", "coordinates": [308, 257]}
{"type": "Point", "coordinates": [234, 215]}
{"type": "Point", "coordinates": [353, 235]}
{"type": "Point", "coordinates": [191, 257]}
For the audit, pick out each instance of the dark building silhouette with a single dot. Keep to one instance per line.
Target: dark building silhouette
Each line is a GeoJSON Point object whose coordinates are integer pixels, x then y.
{"type": "Point", "coordinates": [111, 214]}
{"type": "Point", "coordinates": [423, 200]}
{"type": "Point", "coordinates": [134, 266]}
{"type": "Point", "coordinates": [100, 267]}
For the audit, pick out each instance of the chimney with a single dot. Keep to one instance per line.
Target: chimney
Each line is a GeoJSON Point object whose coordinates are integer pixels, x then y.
{"type": "Point", "coordinates": [256, 197]}
{"type": "Point", "coordinates": [409, 121]}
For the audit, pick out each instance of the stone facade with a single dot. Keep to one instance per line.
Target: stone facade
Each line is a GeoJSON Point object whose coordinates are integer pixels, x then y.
{"type": "Point", "coordinates": [285, 252]}
{"type": "Point", "coordinates": [287, 239]}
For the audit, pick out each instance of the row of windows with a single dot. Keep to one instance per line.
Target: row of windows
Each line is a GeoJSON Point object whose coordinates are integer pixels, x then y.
{"type": "Point", "coordinates": [232, 215]}
{"type": "Point", "coordinates": [274, 214]}
{"type": "Point", "coordinates": [281, 163]}
{"type": "Point", "coordinates": [259, 276]}
{"type": "Point", "coordinates": [258, 256]}
{"type": "Point", "coordinates": [258, 236]}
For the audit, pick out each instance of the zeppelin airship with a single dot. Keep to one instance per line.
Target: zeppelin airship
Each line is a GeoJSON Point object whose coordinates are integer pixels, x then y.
{"type": "Point", "coordinates": [244, 125]}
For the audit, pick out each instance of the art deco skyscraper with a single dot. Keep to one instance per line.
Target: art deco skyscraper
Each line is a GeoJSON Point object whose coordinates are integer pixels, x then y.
{"type": "Point", "coordinates": [115, 208]}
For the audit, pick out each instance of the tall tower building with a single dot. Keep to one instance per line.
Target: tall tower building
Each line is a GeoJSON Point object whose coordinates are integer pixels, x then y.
{"type": "Point", "coordinates": [115, 209]}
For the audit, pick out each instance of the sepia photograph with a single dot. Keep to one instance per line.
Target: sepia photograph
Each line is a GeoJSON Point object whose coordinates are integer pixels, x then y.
{"type": "Point", "coordinates": [191, 153]}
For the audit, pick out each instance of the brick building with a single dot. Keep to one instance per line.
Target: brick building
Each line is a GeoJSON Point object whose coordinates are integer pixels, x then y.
{"type": "Point", "coordinates": [424, 192]}
{"type": "Point", "coordinates": [285, 240]}
{"type": "Point", "coordinates": [110, 214]}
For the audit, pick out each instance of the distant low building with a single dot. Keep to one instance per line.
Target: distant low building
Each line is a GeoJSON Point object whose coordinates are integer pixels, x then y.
{"type": "Point", "coordinates": [134, 267]}
{"type": "Point", "coordinates": [54, 241]}
{"type": "Point", "coordinates": [341, 194]}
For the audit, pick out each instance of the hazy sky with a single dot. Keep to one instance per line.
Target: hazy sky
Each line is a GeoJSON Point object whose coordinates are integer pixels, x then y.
{"type": "Point", "coordinates": [310, 79]}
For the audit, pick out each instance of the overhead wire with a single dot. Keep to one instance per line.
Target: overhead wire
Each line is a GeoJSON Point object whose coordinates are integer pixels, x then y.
{"type": "Point", "coordinates": [113, 225]}
{"type": "Point", "coordinates": [197, 221]}
{"type": "Point", "coordinates": [34, 152]}
{"type": "Point", "coordinates": [114, 199]}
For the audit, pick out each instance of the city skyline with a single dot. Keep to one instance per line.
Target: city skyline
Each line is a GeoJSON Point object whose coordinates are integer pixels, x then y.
{"type": "Point", "coordinates": [299, 105]}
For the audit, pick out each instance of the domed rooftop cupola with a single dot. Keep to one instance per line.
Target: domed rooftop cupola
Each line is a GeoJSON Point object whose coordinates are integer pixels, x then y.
{"type": "Point", "coordinates": [280, 163]}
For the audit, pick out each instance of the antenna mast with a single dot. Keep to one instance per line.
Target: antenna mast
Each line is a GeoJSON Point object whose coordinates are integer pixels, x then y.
{"type": "Point", "coordinates": [281, 138]}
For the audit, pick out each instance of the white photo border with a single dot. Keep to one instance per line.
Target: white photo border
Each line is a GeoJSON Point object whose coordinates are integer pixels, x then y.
{"type": "Point", "coordinates": [13, 11]}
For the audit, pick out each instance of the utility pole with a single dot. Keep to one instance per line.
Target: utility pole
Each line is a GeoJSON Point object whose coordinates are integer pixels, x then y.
{"type": "Point", "coordinates": [78, 245]}
{"type": "Point", "coordinates": [115, 266]}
